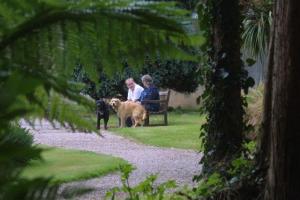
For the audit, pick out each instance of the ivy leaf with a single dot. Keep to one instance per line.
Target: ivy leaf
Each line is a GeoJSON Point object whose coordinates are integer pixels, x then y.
{"type": "Point", "coordinates": [250, 62]}
{"type": "Point", "coordinates": [222, 73]}
{"type": "Point", "coordinates": [248, 83]}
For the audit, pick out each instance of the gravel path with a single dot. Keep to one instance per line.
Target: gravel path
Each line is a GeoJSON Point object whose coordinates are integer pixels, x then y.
{"type": "Point", "coordinates": [169, 163]}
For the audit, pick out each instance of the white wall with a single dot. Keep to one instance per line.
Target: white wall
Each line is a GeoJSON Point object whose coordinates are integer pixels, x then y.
{"type": "Point", "coordinates": [185, 100]}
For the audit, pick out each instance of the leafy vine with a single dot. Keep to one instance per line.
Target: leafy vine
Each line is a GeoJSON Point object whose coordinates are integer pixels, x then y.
{"type": "Point", "coordinates": [218, 80]}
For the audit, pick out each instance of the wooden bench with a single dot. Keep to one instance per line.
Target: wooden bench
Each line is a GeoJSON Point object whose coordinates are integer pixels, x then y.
{"type": "Point", "coordinates": [164, 97]}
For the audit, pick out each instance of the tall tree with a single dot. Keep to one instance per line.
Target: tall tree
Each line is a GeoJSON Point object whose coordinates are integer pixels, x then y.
{"type": "Point", "coordinates": [282, 110]}
{"type": "Point", "coordinates": [225, 111]}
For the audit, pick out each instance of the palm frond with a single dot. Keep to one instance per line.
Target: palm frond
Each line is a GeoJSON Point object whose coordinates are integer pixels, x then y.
{"type": "Point", "coordinates": [257, 23]}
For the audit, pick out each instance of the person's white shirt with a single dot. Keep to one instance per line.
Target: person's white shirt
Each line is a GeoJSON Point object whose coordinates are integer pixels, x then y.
{"type": "Point", "coordinates": [136, 93]}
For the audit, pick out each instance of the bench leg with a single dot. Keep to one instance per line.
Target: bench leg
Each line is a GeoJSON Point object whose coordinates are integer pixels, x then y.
{"type": "Point", "coordinates": [166, 119]}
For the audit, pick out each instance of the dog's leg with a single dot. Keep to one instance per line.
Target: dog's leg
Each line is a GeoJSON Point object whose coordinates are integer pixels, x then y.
{"type": "Point", "coordinates": [135, 123]}
{"type": "Point", "coordinates": [123, 122]}
{"type": "Point", "coordinates": [98, 120]}
{"type": "Point", "coordinates": [105, 123]}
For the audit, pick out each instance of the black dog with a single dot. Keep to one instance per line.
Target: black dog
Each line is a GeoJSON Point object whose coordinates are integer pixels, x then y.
{"type": "Point", "coordinates": [102, 112]}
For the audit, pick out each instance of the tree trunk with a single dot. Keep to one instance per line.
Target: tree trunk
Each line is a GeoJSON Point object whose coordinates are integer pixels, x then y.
{"type": "Point", "coordinates": [284, 128]}
{"type": "Point", "coordinates": [225, 123]}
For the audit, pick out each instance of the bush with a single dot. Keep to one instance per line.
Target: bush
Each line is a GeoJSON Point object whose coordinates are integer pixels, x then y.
{"type": "Point", "coordinates": [177, 75]}
{"type": "Point", "coordinates": [180, 76]}
{"type": "Point", "coordinates": [146, 189]}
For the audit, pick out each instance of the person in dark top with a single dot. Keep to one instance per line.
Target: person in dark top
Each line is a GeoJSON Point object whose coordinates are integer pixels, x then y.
{"type": "Point", "coordinates": [150, 92]}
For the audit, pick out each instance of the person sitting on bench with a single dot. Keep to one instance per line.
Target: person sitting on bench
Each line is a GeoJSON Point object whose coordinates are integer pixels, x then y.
{"type": "Point", "coordinates": [134, 94]}
{"type": "Point", "coordinates": [150, 92]}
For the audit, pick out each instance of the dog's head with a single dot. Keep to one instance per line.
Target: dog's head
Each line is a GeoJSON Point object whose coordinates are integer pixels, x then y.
{"type": "Point", "coordinates": [101, 106]}
{"type": "Point", "coordinates": [115, 103]}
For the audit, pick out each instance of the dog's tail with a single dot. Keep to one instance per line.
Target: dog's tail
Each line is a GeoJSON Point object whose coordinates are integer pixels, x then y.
{"type": "Point", "coordinates": [144, 115]}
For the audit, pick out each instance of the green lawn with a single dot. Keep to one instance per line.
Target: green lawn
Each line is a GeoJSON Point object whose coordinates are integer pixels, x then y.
{"type": "Point", "coordinates": [182, 132]}
{"type": "Point", "coordinates": [71, 165]}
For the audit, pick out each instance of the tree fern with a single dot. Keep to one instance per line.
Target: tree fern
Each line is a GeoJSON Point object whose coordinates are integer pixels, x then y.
{"type": "Point", "coordinates": [16, 152]}
{"type": "Point", "coordinates": [40, 43]}
{"type": "Point", "coordinates": [45, 39]}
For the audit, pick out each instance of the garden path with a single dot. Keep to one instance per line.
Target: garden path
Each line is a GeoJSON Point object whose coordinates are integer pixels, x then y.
{"type": "Point", "coordinates": [168, 163]}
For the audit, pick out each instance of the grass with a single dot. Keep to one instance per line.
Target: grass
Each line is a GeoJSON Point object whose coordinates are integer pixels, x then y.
{"type": "Point", "coordinates": [182, 132]}
{"type": "Point", "coordinates": [71, 165]}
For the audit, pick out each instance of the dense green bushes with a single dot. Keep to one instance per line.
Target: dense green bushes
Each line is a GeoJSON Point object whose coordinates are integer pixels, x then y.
{"type": "Point", "coordinates": [181, 76]}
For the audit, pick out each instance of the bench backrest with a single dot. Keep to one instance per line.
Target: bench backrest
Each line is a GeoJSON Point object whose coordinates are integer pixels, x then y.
{"type": "Point", "coordinates": [165, 96]}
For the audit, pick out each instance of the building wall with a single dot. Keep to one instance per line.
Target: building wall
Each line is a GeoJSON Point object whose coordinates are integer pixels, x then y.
{"type": "Point", "coordinates": [258, 70]}
{"type": "Point", "coordinates": [182, 100]}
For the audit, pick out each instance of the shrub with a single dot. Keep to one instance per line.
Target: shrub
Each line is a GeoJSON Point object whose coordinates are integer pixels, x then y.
{"type": "Point", "coordinates": [177, 75]}
{"type": "Point", "coordinates": [146, 189]}
{"type": "Point", "coordinates": [181, 76]}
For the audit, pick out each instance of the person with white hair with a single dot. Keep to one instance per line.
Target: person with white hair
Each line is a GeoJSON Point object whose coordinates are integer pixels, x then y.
{"type": "Point", "coordinates": [134, 90]}
{"type": "Point", "coordinates": [150, 92]}
{"type": "Point", "coordinates": [134, 94]}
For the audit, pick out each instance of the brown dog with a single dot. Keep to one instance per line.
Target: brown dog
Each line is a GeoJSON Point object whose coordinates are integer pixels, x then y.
{"type": "Point", "coordinates": [129, 109]}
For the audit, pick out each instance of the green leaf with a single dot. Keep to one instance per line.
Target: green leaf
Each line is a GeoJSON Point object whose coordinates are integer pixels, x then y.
{"type": "Point", "coordinates": [250, 62]}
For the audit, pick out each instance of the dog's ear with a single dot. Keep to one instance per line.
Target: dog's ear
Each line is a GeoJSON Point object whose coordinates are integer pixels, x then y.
{"type": "Point", "coordinates": [111, 101]}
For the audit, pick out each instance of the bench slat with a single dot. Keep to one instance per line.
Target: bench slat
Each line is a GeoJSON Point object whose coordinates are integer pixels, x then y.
{"type": "Point", "coordinates": [164, 102]}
